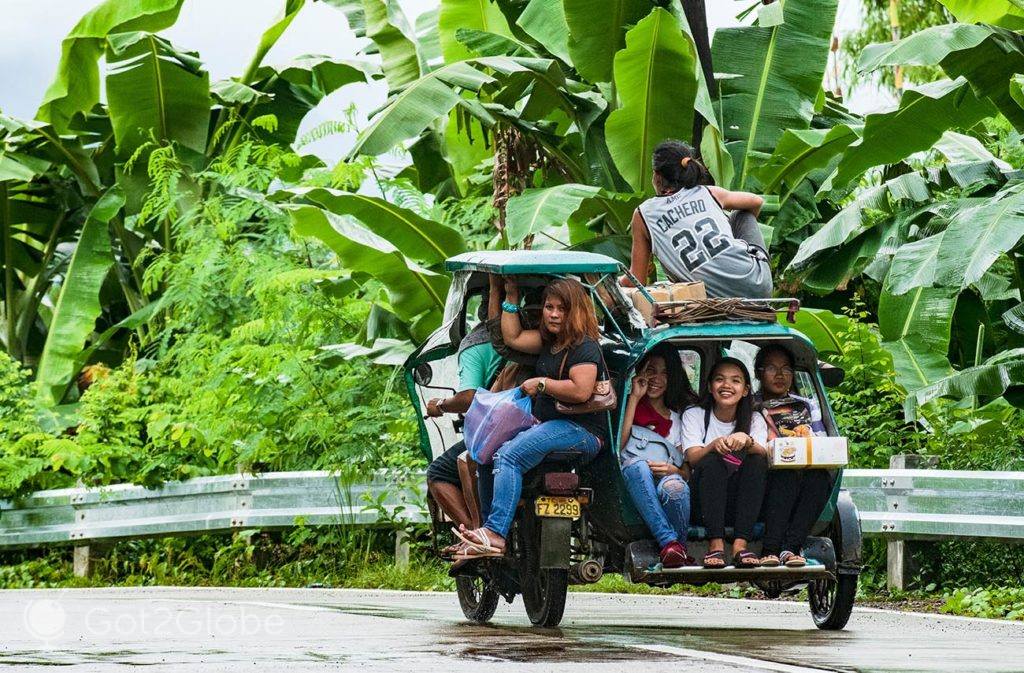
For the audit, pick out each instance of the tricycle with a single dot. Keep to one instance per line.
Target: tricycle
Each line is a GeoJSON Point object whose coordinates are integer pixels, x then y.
{"type": "Point", "coordinates": [575, 521]}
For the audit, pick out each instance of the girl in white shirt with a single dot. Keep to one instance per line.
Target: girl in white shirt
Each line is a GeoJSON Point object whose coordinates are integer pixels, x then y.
{"type": "Point", "coordinates": [725, 444]}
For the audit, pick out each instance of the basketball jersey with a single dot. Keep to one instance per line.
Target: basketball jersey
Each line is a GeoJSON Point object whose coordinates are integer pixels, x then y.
{"type": "Point", "coordinates": [692, 238]}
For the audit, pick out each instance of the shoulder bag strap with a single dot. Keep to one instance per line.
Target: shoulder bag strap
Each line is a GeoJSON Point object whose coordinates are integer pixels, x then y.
{"type": "Point", "coordinates": [707, 423]}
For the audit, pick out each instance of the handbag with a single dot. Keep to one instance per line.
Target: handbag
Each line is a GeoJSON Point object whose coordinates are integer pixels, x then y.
{"type": "Point", "coordinates": [602, 399]}
{"type": "Point", "coordinates": [646, 444]}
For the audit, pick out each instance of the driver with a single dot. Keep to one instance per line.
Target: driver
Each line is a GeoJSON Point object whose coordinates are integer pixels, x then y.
{"type": "Point", "coordinates": [478, 365]}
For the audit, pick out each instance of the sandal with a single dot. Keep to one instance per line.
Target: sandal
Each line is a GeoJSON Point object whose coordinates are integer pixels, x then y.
{"type": "Point", "coordinates": [714, 559]}
{"type": "Point", "coordinates": [770, 561]}
{"type": "Point", "coordinates": [482, 543]}
{"type": "Point", "coordinates": [451, 550]}
{"type": "Point", "coordinates": [746, 559]}
{"type": "Point", "coordinates": [791, 560]}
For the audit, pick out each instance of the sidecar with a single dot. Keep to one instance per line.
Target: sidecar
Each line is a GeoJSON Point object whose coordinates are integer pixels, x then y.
{"type": "Point", "coordinates": [600, 530]}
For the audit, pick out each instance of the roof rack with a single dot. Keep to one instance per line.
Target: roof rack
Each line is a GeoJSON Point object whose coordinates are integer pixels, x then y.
{"type": "Point", "coordinates": [719, 309]}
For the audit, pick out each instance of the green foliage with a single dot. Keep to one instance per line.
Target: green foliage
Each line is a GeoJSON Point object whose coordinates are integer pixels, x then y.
{"type": "Point", "coordinates": [995, 602]}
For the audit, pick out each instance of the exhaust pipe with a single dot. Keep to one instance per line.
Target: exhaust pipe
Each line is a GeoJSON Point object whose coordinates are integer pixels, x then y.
{"type": "Point", "coordinates": [587, 572]}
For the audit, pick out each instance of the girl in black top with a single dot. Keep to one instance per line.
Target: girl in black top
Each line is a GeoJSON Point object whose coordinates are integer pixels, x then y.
{"type": "Point", "coordinates": [569, 364]}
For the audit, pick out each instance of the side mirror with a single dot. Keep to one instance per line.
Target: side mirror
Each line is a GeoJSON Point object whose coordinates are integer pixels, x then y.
{"type": "Point", "coordinates": [423, 374]}
{"type": "Point", "coordinates": [831, 376]}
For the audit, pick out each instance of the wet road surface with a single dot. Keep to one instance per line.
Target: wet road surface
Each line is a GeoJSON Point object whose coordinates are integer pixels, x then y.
{"type": "Point", "coordinates": [178, 629]}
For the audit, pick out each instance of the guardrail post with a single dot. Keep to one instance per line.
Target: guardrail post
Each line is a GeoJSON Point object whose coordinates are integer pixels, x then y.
{"type": "Point", "coordinates": [401, 549]}
{"type": "Point", "coordinates": [83, 561]}
{"type": "Point", "coordinates": [898, 555]}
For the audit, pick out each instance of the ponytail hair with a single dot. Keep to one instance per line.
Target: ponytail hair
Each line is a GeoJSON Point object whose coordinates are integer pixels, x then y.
{"type": "Point", "coordinates": [677, 166]}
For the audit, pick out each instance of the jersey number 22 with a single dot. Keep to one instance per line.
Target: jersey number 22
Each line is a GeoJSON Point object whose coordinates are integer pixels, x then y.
{"type": "Point", "coordinates": [694, 255]}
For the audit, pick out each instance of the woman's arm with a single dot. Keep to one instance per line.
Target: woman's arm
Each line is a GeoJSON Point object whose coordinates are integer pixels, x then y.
{"type": "Point", "coordinates": [636, 393]}
{"type": "Point", "coordinates": [574, 390]}
{"type": "Point", "coordinates": [737, 200]}
{"type": "Point", "coordinates": [640, 256]}
{"type": "Point", "coordinates": [493, 296]}
{"type": "Point", "coordinates": [512, 332]}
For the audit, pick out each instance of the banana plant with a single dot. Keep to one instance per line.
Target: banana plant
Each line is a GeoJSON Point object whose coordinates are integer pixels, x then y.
{"type": "Point", "coordinates": [70, 181]}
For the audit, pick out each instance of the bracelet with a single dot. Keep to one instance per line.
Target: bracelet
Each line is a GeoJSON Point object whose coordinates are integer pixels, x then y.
{"type": "Point", "coordinates": [509, 307]}
{"type": "Point", "coordinates": [440, 405]}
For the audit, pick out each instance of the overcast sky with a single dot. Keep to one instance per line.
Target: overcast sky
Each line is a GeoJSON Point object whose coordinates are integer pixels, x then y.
{"type": "Point", "coordinates": [225, 32]}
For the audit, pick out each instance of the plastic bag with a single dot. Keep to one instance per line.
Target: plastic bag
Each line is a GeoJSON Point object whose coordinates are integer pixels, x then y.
{"type": "Point", "coordinates": [493, 419]}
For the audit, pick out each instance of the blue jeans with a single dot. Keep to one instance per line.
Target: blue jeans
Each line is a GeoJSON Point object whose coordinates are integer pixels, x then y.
{"type": "Point", "coordinates": [501, 486]}
{"type": "Point", "coordinates": [664, 505]}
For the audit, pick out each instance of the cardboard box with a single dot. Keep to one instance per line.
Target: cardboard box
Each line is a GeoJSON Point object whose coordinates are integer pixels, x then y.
{"type": "Point", "coordinates": [664, 292]}
{"type": "Point", "coordinates": [798, 452]}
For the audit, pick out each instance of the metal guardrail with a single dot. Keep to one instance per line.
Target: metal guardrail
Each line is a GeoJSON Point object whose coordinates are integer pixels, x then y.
{"type": "Point", "coordinates": [896, 504]}
{"type": "Point", "coordinates": [938, 504]}
{"type": "Point", "coordinates": [203, 505]}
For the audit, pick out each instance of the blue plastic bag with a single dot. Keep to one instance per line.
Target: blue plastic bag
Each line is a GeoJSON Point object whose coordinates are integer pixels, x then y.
{"type": "Point", "coordinates": [493, 419]}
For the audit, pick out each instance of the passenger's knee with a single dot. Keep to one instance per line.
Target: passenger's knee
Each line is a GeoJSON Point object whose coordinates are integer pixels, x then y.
{"type": "Point", "coordinates": [674, 488]}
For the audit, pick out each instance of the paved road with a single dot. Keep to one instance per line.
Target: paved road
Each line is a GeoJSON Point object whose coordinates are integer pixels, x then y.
{"type": "Point", "coordinates": [172, 629]}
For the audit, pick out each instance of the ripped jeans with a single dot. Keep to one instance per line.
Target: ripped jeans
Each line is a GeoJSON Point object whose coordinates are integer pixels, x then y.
{"type": "Point", "coordinates": [664, 504]}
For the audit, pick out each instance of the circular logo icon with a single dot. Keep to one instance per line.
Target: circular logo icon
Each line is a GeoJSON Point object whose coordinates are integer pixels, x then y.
{"type": "Point", "coordinates": [45, 618]}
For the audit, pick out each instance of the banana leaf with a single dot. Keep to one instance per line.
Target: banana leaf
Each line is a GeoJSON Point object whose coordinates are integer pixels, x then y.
{"type": "Point", "coordinates": [76, 86]}
{"type": "Point", "coordinates": [417, 106]}
{"type": "Point", "coordinates": [961, 254]}
{"type": "Point", "coordinates": [155, 92]}
{"type": "Point", "coordinates": [986, 56]}
{"type": "Point", "coordinates": [801, 151]}
{"type": "Point", "coordinates": [535, 210]}
{"type": "Point", "coordinates": [78, 305]}
{"type": "Point", "coordinates": [413, 290]}
{"type": "Point", "coordinates": [656, 79]}
{"type": "Point", "coordinates": [923, 115]}
{"type": "Point", "coordinates": [597, 32]}
{"type": "Point", "coordinates": [850, 222]}
{"type": "Point", "coordinates": [1005, 13]}
{"type": "Point", "coordinates": [544, 21]}
{"type": "Point", "coordinates": [399, 58]}
{"type": "Point", "coordinates": [915, 330]}
{"type": "Point", "coordinates": [780, 69]}
{"type": "Point", "coordinates": [1002, 374]}
{"type": "Point", "coordinates": [418, 238]}
{"type": "Point", "coordinates": [481, 15]}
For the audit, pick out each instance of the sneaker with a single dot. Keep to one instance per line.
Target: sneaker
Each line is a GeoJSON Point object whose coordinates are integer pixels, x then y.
{"type": "Point", "coordinates": [673, 555]}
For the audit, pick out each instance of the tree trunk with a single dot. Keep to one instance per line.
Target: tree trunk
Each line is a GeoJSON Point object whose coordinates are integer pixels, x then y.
{"type": "Point", "coordinates": [696, 16]}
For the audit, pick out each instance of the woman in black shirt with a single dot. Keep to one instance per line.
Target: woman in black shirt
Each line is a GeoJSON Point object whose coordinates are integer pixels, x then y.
{"type": "Point", "coordinates": [569, 364]}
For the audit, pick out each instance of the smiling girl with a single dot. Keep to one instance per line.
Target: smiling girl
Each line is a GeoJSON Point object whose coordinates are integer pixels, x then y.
{"type": "Point", "coordinates": [653, 466]}
{"type": "Point", "coordinates": [725, 443]}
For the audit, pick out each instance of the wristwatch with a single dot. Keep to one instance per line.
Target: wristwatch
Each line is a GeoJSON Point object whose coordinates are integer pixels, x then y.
{"type": "Point", "coordinates": [541, 385]}
{"type": "Point", "coordinates": [440, 405]}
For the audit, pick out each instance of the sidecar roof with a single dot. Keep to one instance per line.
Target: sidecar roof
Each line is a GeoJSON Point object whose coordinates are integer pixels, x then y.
{"type": "Point", "coordinates": [514, 262]}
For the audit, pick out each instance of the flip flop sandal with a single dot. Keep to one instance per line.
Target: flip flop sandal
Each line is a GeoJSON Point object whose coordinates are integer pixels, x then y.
{"type": "Point", "coordinates": [714, 556]}
{"type": "Point", "coordinates": [791, 560]}
{"type": "Point", "coordinates": [770, 561]}
{"type": "Point", "coordinates": [452, 549]}
{"type": "Point", "coordinates": [472, 553]}
{"type": "Point", "coordinates": [484, 545]}
{"type": "Point", "coordinates": [746, 559]}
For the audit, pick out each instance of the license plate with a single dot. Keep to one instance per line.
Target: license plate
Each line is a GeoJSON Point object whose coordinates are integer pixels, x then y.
{"type": "Point", "coordinates": [564, 508]}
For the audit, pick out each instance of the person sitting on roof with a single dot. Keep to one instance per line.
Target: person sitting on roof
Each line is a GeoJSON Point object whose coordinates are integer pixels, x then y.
{"type": "Point", "coordinates": [687, 229]}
